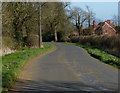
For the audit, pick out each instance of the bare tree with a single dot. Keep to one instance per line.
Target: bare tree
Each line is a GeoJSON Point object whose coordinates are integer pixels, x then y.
{"type": "Point", "coordinates": [115, 19]}
{"type": "Point", "coordinates": [79, 17]}
{"type": "Point", "coordinates": [54, 16]}
{"type": "Point", "coordinates": [90, 16]}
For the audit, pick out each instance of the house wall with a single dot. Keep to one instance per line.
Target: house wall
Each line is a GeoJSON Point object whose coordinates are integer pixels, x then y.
{"type": "Point", "coordinates": [108, 30]}
{"type": "Point", "coordinates": [99, 31]}
{"type": "Point", "coordinates": [104, 28]}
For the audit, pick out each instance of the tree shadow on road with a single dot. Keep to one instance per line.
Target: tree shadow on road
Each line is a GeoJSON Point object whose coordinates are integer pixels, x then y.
{"type": "Point", "coordinates": [29, 86]}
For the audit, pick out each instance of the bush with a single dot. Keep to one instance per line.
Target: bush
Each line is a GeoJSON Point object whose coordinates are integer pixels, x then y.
{"type": "Point", "coordinates": [108, 43]}
{"type": "Point", "coordinates": [48, 36]}
{"type": "Point", "coordinates": [31, 41]}
{"type": "Point", "coordinates": [61, 35]}
{"type": "Point", "coordinates": [8, 42]}
{"type": "Point", "coordinates": [74, 39]}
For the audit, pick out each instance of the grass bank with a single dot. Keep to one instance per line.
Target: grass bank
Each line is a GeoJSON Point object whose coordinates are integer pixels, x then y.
{"type": "Point", "coordinates": [13, 63]}
{"type": "Point", "coordinates": [101, 55]}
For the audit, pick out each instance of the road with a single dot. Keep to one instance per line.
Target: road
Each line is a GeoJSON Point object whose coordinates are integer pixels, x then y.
{"type": "Point", "coordinates": [68, 68]}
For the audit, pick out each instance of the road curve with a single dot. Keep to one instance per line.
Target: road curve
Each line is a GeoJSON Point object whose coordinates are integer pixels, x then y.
{"type": "Point", "coordinates": [68, 68]}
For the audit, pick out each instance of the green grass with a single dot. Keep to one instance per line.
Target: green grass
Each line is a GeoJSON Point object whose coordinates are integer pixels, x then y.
{"type": "Point", "coordinates": [101, 55]}
{"type": "Point", "coordinates": [13, 63]}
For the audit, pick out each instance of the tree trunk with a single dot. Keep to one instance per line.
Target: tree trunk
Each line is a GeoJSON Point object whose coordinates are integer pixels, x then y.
{"type": "Point", "coordinates": [78, 29]}
{"type": "Point", "coordinates": [40, 44]}
{"type": "Point", "coordinates": [79, 32]}
{"type": "Point", "coordinates": [89, 22]}
{"type": "Point", "coordinates": [55, 33]}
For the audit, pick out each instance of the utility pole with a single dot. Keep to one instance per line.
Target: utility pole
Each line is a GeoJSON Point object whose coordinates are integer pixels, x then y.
{"type": "Point", "coordinates": [40, 26]}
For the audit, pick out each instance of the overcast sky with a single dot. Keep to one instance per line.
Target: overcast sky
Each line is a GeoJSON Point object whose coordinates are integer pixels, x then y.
{"type": "Point", "coordinates": [103, 10]}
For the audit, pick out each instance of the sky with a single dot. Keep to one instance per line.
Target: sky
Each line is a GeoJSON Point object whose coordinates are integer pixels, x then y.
{"type": "Point", "coordinates": [103, 10]}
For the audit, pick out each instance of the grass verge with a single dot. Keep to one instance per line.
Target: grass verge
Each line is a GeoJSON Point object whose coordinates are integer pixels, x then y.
{"type": "Point", "coordinates": [101, 55]}
{"type": "Point", "coordinates": [13, 63]}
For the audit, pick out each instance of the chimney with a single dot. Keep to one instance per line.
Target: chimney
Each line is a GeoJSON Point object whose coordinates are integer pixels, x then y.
{"type": "Point", "coordinates": [108, 21]}
{"type": "Point", "coordinates": [94, 23]}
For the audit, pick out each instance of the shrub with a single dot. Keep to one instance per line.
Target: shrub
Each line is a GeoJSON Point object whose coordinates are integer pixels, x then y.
{"type": "Point", "coordinates": [62, 37]}
{"type": "Point", "coordinates": [8, 42]}
{"type": "Point", "coordinates": [106, 42]}
{"type": "Point", "coordinates": [31, 41]}
{"type": "Point", "coordinates": [74, 39]}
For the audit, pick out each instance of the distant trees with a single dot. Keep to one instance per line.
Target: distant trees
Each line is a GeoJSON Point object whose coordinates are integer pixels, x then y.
{"type": "Point", "coordinates": [90, 16]}
{"type": "Point", "coordinates": [30, 23]}
{"type": "Point", "coordinates": [54, 17]}
{"type": "Point", "coordinates": [81, 18]}
{"type": "Point", "coordinates": [116, 21]}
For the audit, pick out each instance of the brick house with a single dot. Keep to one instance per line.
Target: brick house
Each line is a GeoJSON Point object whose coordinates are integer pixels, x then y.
{"type": "Point", "coordinates": [103, 28]}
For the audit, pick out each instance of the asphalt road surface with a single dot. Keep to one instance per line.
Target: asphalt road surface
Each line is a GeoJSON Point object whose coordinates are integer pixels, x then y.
{"type": "Point", "coordinates": [68, 68]}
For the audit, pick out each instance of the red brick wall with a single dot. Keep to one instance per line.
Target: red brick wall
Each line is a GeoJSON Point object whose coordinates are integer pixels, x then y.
{"type": "Point", "coordinates": [108, 30]}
